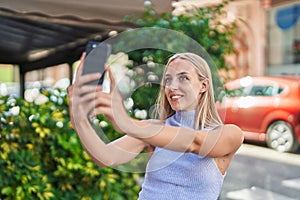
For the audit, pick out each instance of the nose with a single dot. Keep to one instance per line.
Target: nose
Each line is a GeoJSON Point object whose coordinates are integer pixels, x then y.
{"type": "Point", "coordinates": [173, 84]}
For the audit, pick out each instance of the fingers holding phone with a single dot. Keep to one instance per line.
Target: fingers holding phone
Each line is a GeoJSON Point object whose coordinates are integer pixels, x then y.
{"type": "Point", "coordinates": [92, 64]}
{"type": "Point", "coordinates": [89, 77]}
{"type": "Point", "coordinates": [97, 54]}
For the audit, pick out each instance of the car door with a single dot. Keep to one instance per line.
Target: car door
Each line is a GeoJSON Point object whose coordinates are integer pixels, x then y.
{"type": "Point", "coordinates": [250, 110]}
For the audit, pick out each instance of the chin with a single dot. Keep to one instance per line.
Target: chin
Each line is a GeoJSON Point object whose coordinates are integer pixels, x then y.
{"type": "Point", "coordinates": [178, 108]}
{"type": "Point", "coordinates": [175, 108]}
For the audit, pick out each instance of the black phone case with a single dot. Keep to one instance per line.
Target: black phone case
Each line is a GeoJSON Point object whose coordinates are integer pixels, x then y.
{"type": "Point", "coordinates": [97, 54]}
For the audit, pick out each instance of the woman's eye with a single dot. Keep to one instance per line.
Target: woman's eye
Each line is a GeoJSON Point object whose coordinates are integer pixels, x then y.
{"type": "Point", "coordinates": [168, 80]}
{"type": "Point", "coordinates": [183, 78]}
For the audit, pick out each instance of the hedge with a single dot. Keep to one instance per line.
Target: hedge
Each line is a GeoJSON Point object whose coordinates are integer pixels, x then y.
{"type": "Point", "coordinates": [41, 156]}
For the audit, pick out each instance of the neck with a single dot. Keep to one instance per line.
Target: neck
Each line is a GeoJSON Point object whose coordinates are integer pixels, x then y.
{"type": "Point", "coordinates": [183, 118]}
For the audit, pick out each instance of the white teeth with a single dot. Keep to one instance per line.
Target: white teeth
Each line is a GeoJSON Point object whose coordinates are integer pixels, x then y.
{"type": "Point", "coordinates": [175, 97]}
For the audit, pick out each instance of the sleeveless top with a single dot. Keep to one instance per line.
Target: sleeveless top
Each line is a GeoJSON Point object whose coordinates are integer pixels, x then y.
{"type": "Point", "coordinates": [174, 175]}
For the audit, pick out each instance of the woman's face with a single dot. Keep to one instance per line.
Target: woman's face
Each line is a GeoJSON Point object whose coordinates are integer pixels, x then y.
{"type": "Point", "coordinates": [182, 85]}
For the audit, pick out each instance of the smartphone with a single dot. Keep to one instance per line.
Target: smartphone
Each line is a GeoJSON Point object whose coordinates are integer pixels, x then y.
{"type": "Point", "coordinates": [96, 56]}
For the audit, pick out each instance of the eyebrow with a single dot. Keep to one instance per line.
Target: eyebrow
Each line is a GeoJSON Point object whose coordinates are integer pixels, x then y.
{"type": "Point", "coordinates": [179, 74]}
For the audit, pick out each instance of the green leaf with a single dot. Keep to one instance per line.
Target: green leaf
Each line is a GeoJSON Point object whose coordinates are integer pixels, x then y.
{"type": "Point", "coordinates": [6, 191]}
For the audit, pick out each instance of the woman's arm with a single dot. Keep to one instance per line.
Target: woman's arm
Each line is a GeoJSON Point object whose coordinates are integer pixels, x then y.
{"type": "Point", "coordinates": [81, 98]}
{"type": "Point", "coordinates": [218, 142]}
{"type": "Point", "coordinates": [114, 153]}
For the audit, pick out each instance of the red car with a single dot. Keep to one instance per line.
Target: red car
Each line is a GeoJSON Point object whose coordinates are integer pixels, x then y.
{"type": "Point", "coordinates": [266, 108]}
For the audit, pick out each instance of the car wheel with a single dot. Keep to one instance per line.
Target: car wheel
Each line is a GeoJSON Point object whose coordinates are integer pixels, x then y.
{"type": "Point", "coordinates": [280, 137]}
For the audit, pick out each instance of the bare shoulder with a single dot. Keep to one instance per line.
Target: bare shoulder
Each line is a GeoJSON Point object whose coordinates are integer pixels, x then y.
{"type": "Point", "coordinates": [235, 140]}
{"type": "Point", "coordinates": [228, 127]}
{"type": "Point", "coordinates": [237, 132]}
{"type": "Point", "coordinates": [231, 130]}
{"type": "Point", "coordinates": [233, 127]}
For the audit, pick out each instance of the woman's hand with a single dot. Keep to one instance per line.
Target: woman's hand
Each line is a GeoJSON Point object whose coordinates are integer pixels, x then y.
{"type": "Point", "coordinates": [90, 100]}
{"type": "Point", "coordinates": [81, 95]}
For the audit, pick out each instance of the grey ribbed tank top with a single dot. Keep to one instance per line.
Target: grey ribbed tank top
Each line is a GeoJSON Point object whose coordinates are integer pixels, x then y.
{"type": "Point", "coordinates": [174, 175]}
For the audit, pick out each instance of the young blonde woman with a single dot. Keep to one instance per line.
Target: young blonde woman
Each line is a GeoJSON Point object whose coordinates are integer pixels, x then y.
{"type": "Point", "coordinates": [192, 148]}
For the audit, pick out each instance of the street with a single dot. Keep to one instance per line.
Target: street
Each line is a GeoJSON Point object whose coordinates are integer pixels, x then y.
{"type": "Point", "coordinates": [260, 173]}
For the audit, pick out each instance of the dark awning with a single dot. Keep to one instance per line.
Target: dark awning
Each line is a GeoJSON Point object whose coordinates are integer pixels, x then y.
{"type": "Point", "coordinates": [35, 34]}
{"type": "Point", "coordinates": [35, 41]}
{"type": "Point", "coordinates": [41, 33]}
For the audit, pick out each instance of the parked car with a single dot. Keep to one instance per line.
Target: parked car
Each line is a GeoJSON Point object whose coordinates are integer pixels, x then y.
{"type": "Point", "coordinates": [266, 108]}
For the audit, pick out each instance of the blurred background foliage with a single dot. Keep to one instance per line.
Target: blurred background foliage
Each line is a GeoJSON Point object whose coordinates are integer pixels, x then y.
{"type": "Point", "coordinates": [208, 26]}
{"type": "Point", "coordinates": [41, 156]}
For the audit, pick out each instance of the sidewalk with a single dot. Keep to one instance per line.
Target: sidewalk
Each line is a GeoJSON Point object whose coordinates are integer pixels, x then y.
{"type": "Point", "coordinates": [269, 154]}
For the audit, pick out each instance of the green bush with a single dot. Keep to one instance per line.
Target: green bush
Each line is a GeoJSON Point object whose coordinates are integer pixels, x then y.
{"type": "Point", "coordinates": [207, 25]}
{"type": "Point", "coordinates": [41, 156]}
{"type": "Point", "coordinates": [204, 25]}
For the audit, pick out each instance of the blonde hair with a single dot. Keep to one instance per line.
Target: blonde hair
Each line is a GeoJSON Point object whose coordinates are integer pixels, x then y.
{"type": "Point", "coordinates": [206, 111]}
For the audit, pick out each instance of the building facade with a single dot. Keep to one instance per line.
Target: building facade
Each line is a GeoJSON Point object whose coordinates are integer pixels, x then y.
{"type": "Point", "coordinates": [268, 37]}
{"type": "Point", "coordinates": [283, 38]}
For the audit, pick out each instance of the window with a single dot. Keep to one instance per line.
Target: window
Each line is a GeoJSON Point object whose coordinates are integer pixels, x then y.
{"type": "Point", "coordinates": [239, 92]}
{"type": "Point", "coordinates": [258, 90]}
{"type": "Point", "coordinates": [283, 46]}
{"type": "Point", "coordinates": [255, 90]}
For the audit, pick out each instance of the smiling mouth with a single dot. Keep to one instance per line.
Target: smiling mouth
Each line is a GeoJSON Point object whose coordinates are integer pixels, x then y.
{"type": "Point", "coordinates": [175, 97]}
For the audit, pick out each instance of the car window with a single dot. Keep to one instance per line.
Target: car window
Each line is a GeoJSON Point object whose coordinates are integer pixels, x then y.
{"type": "Point", "coordinates": [238, 92]}
{"type": "Point", "coordinates": [266, 90]}
{"type": "Point", "coordinates": [258, 90]}
{"type": "Point", "coordinates": [255, 90]}
{"type": "Point", "coordinates": [280, 90]}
